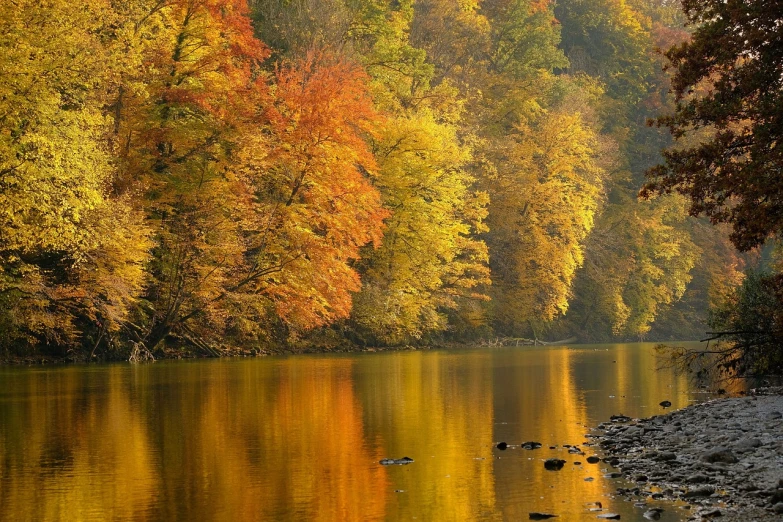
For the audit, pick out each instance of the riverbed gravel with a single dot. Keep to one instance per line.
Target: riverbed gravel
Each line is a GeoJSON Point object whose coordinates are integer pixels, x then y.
{"type": "Point", "coordinates": [720, 460]}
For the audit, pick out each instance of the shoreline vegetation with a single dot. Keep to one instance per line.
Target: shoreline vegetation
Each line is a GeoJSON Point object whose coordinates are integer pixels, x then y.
{"type": "Point", "coordinates": [175, 353]}
{"type": "Point", "coordinates": [721, 458]}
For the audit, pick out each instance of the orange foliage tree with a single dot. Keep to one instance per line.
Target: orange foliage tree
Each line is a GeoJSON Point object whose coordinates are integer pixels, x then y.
{"type": "Point", "coordinates": [310, 169]}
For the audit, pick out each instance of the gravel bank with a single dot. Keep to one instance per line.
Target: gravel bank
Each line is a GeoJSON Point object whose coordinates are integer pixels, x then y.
{"type": "Point", "coordinates": [722, 458]}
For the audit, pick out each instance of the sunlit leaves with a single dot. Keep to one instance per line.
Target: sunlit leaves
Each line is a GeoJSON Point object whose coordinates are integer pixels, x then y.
{"type": "Point", "coordinates": [428, 258]}
{"type": "Point", "coordinates": [544, 205]}
{"type": "Point", "coordinates": [57, 206]}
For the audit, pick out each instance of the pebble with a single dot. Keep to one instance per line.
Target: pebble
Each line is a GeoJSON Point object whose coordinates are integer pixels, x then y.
{"type": "Point", "coordinates": [554, 464]}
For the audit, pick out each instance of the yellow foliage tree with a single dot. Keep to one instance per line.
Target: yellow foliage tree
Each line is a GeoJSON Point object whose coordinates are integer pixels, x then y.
{"type": "Point", "coordinates": [430, 262]}
{"type": "Point", "coordinates": [72, 247]}
{"type": "Point", "coordinates": [429, 257]}
{"type": "Point", "coordinates": [544, 203]}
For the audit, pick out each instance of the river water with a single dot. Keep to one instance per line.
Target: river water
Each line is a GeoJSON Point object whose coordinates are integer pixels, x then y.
{"type": "Point", "coordinates": [301, 437]}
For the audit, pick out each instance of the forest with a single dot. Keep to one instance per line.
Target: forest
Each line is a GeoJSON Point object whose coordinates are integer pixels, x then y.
{"type": "Point", "coordinates": [213, 177]}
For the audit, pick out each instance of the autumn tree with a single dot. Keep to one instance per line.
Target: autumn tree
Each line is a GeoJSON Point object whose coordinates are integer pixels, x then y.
{"type": "Point", "coordinates": [610, 40]}
{"type": "Point", "coordinates": [73, 245]}
{"type": "Point", "coordinates": [544, 205]}
{"type": "Point", "coordinates": [185, 90]}
{"type": "Point", "coordinates": [429, 259]}
{"type": "Point", "coordinates": [537, 148]}
{"type": "Point", "coordinates": [726, 124]}
{"type": "Point", "coordinates": [430, 262]}
{"type": "Point", "coordinates": [727, 81]}
{"type": "Point", "coordinates": [259, 194]}
{"type": "Point", "coordinates": [316, 203]}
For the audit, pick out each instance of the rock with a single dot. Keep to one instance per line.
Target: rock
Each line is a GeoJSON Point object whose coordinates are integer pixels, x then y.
{"type": "Point", "coordinates": [609, 516]}
{"type": "Point", "coordinates": [530, 445]}
{"type": "Point", "coordinates": [554, 464]}
{"type": "Point", "coordinates": [633, 431]}
{"type": "Point", "coordinates": [620, 418]}
{"type": "Point", "coordinates": [747, 445]}
{"type": "Point", "coordinates": [501, 445]}
{"type": "Point", "coordinates": [774, 415]}
{"type": "Point", "coordinates": [701, 491]}
{"type": "Point", "coordinates": [664, 404]}
{"type": "Point", "coordinates": [593, 459]}
{"type": "Point", "coordinates": [613, 475]}
{"type": "Point", "coordinates": [389, 462]}
{"type": "Point", "coordinates": [540, 516]}
{"type": "Point", "coordinates": [665, 456]}
{"type": "Point", "coordinates": [589, 479]}
{"type": "Point", "coordinates": [652, 515]}
{"type": "Point", "coordinates": [697, 479]}
{"type": "Point", "coordinates": [778, 508]}
{"type": "Point", "coordinates": [710, 513]}
{"type": "Point", "coordinates": [723, 455]}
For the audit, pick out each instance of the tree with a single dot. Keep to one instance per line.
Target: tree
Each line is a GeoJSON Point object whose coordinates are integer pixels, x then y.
{"type": "Point", "coordinates": [429, 257]}
{"type": "Point", "coordinates": [544, 204]}
{"type": "Point", "coordinates": [609, 40]}
{"type": "Point", "coordinates": [728, 87]}
{"type": "Point", "coordinates": [72, 245]}
{"type": "Point", "coordinates": [186, 90]}
{"type": "Point", "coordinates": [430, 260]}
{"type": "Point", "coordinates": [316, 205]}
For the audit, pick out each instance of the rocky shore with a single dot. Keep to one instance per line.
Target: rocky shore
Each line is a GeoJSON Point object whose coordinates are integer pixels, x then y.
{"type": "Point", "coordinates": [722, 458]}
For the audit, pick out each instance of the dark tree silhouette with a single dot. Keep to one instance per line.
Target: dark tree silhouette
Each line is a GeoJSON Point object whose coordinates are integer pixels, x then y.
{"type": "Point", "coordinates": [728, 83]}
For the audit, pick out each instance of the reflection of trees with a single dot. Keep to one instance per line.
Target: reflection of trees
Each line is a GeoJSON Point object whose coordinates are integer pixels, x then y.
{"type": "Point", "coordinates": [553, 396]}
{"type": "Point", "coordinates": [436, 408]}
{"type": "Point", "coordinates": [541, 402]}
{"type": "Point", "coordinates": [209, 440]}
{"type": "Point", "coordinates": [76, 449]}
{"type": "Point", "coordinates": [300, 438]}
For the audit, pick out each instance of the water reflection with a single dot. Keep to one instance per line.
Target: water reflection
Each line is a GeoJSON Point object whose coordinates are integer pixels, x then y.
{"type": "Point", "coordinates": [300, 438]}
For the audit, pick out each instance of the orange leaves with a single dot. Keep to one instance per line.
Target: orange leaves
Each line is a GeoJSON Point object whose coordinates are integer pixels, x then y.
{"type": "Point", "coordinates": [317, 203]}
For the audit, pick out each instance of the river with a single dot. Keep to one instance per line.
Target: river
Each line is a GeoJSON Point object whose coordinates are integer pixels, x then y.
{"type": "Point", "coordinates": [301, 437]}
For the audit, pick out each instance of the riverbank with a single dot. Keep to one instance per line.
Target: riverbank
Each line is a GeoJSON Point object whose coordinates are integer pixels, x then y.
{"type": "Point", "coordinates": [179, 352]}
{"type": "Point", "coordinates": [722, 458]}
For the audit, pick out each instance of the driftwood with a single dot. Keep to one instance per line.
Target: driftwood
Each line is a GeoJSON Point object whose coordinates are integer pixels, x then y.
{"type": "Point", "coordinates": [522, 341]}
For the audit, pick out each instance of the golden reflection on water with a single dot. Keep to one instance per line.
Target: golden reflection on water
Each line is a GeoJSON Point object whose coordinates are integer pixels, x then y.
{"type": "Point", "coordinates": [300, 438]}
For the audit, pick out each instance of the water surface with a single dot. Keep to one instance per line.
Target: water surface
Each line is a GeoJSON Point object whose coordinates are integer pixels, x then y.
{"type": "Point", "coordinates": [299, 438]}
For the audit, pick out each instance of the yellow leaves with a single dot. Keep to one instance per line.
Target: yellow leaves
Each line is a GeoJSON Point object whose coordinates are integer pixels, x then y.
{"type": "Point", "coordinates": [543, 208]}
{"type": "Point", "coordinates": [69, 246]}
{"type": "Point", "coordinates": [429, 256]}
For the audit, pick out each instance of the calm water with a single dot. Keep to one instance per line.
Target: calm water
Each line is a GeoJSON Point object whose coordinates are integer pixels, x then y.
{"type": "Point", "coordinates": [299, 438]}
